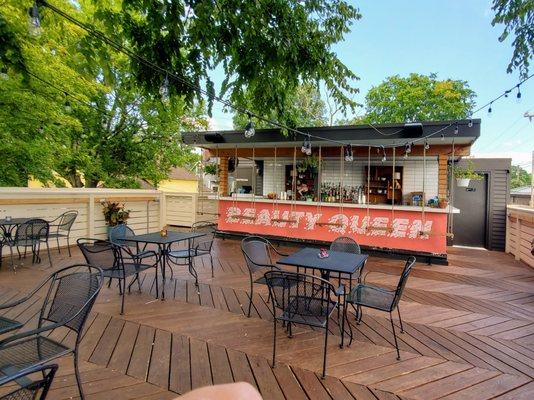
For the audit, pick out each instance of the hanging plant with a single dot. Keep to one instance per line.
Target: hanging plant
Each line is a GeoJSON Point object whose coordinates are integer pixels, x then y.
{"type": "Point", "coordinates": [232, 164]}
{"type": "Point", "coordinates": [465, 175]}
{"type": "Point", "coordinates": [210, 169]}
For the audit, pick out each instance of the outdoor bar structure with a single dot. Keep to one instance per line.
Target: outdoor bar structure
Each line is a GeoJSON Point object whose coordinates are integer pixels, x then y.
{"type": "Point", "coordinates": [393, 199]}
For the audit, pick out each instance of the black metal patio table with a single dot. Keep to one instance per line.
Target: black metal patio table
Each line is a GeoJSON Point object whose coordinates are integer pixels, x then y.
{"type": "Point", "coordinates": [164, 244]}
{"type": "Point", "coordinates": [7, 226]}
{"type": "Point", "coordinates": [337, 261]}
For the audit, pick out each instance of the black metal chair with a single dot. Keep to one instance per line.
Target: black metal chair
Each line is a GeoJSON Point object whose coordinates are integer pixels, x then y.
{"type": "Point", "coordinates": [61, 226]}
{"type": "Point", "coordinates": [30, 234]}
{"type": "Point", "coordinates": [378, 298]}
{"type": "Point", "coordinates": [109, 257]}
{"type": "Point", "coordinates": [346, 245]}
{"type": "Point", "coordinates": [200, 246]}
{"type": "Point", "coordinates": [31, 384]}
{"type": "Point", "coordinates": [302, 299]}
{"type": "Point", "coordinates": [257, 253]}
{"type": "Point", "coordinates": [69, 295]}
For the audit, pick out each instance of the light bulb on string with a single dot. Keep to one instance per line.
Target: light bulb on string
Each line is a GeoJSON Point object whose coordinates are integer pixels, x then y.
{"type": "Point", "coordinates": [490, 109]}
{"type": "Point", "coordinates": [349, 157]}
{"type": "Point", "coordinates": [442, 137]}
{"type": "Point", "coordinates": [456, 129]}
{"type": "Point", "coordinates": [164, 90]}
{"type": "Point", "coordinates": [249, 129]}
{"type": "Point", "coordinates": [306, 146]}
{"type": "Point", "coordinates": [506, 93]}
{"type": "Point", "coordinates": [427, 146]}
{"type": "Point", "coordinates": [470, 123]}
{"type": "Point", "coordinates": [384, 158]}
{"type": "Point", "coordinates": [518, 96]}
{"type": "Point", "coordinates": [34, 25]}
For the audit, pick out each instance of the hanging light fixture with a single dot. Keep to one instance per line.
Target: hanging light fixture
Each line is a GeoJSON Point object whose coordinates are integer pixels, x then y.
{"type": "Point", "coordinates": [164, 90]}
{"type": "Point", "coordinates": [249, 129]}
{"type": "Point", "coordinates": [470, 123]}
{"type": "Point", "coordinates": [518, 96]}
{"type": "Point", "coordinates": [349, 157]}
{"type": "Point", "coordinates": [490, 109]}
{"type": "Point", "coordinates": [35, 21]}
{"type": "Point", "coordinates": [442, 137]}
{"type": "Point", "coordinates": [384, 158]}
{"type": "Point", "coordinates": [427, 146]}
{"type": "Point", "coordinates": [456, 130]}
{"type": "Point", "coordinates": [306, 146]}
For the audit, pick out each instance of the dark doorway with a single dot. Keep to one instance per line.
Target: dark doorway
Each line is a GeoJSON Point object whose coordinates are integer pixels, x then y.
{"type": "Point", "coordinates": [470, 224]}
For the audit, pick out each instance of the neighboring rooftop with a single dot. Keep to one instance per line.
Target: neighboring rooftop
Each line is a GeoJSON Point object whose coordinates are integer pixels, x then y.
{"type": "Point", "coordinates": [521, 191]}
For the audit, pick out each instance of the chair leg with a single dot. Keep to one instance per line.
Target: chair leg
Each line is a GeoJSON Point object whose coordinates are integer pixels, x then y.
{"type": "Point", "coordinates": [12, 259]}
{"type": "Point", "coordinates": [78, 377]}
{"type": "Point", "coordinates": [123, 293]}
{"type": "Point", "coordinates": [139, 283]}
{"type": "Point", "coordinates": [325, 349]}
{"type": "Point", "coordinates": [48, 251]}
{"type": "Point", "coordinates": [290, 330]}
{"type": "Point", "coordinates": [274, 342]}
{"type": "Point", "coordinates": [68, 244]}
{"type": "Point", "coordinates": [211, 261]}
{"type": "Point", "coordinates": [394, 335]}
{"type": "Point", "coordinates": [400, 319]}
{"type": "Point", "coordinates": [58, 248]}
{"type": "Point", "coordinates": [250, 298]}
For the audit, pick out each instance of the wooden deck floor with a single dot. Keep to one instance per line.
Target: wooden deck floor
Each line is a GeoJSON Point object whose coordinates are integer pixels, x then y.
{"type": "Point", "coordinates": [469, 335]}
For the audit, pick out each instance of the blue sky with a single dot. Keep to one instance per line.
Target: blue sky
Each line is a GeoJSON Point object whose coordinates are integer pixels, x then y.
{"type": "Point", "coordinates": [452, 38]}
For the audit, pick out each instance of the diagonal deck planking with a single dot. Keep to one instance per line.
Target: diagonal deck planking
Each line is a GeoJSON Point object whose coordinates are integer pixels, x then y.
{"type": "Point", "coordinates": [469, 334]}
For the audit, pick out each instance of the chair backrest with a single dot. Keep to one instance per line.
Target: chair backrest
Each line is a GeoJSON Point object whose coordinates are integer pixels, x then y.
{"type": "Point", "coordinates": [31, 384]}
{"type": "Point", "coordinates": [66, 220]}
{"type": "Point", "coordinates": [410, 262]}
{"type": "Point", "coordinates": [32, 230]}
{"type": "Point", "coordinates": [346, 245]}
{"type": "Point", "coordinates": [71, 294]}
{"type": "Point", "coordinates": [119, 235]}
{"type": "Point", "coordinates": [205, 242]}
{"type": "Point", "coordinates": [256, 251]}
{"type": "Point", "coordinates": [99, 253]}
{"type": "Point", "coordinates": [299, 294]}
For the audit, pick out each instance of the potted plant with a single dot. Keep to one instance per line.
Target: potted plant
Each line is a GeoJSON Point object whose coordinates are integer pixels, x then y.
{"type": "Point", "coordinates": [210, 169]}
{"type": "Point", "coordinates": [465, 175]}
{"type": "Point", "coordinates": [443, 202]}
{"type": "Point", "coordinates": [114, 213]}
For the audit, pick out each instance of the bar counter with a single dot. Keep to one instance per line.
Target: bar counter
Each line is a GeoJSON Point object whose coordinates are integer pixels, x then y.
{"type": "Point", "coordinates": [378, 226]}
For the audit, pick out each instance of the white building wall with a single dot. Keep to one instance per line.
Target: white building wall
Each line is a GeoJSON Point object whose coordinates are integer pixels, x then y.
{"type": "Point", "coordinates": [355, 174]}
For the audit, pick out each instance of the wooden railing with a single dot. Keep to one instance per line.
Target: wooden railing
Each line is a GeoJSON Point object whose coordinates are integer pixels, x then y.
{"type": "Point", "coordinates": [520, 232]}
{"type": "Point", "coordinates": [47, 203]}
{"type": "Point", "coordinates": [150, 210]}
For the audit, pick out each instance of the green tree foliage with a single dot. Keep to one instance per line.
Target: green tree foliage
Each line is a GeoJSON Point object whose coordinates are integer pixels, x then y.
{"type": "Point", "coordinates": [519, 177]}
{"type": "Point", "coordinates": [304, 108]}
{"type": "Point", "coordinates": [107, 131]}
{"type": "Point", "coordinates": [266, 49]}
{"type": "Point", "coordinates": [517, 16]}
{"type": "Point", "coordinates": [418, 98]}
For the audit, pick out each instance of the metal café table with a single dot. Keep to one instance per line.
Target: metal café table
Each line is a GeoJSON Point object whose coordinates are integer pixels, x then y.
{"type": "Point", "coordinates": [164, 244]}
{"type": "Point", "coordinates": [337, 262]}
{"type": "Point", "coordinates": [7, 226]}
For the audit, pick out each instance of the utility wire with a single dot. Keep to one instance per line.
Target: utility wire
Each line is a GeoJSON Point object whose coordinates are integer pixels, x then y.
{"type": "Point", "coordinates": [212, 96]}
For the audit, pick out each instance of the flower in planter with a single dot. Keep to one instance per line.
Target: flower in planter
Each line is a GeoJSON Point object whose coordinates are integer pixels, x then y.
{"type": "Point", "coordinates": [114, 213]}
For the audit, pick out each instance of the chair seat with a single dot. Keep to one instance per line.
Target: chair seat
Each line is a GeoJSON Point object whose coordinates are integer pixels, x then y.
{"type": "Point", "coordinates": [29, 352]}
{"type": "Point", "coordinates": [371, 296]}
{"type": "Point", "coordinates": [57, 234]}
{"type": "Point", "coordinates": [186, 253]}
{"type": "Point", "coordinates": [129, 270]}
{"type": "Point", "coordinates": [8, 325]}
{"type": "Point", "coordinates": [308, 310]}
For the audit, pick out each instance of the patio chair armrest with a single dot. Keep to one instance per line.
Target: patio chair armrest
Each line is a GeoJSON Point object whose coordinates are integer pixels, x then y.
{"type": "Point", "coordinates": [364, 276]}
{"type": "Point", "coordinates": [145, 254]}
{"type": "Point", "coordinates": [279, 252]}
{"type": "Point", "coordinates": [25, 298]}
{"type": "Point", "coordinates": [340, 290]}
{"type": "Point", "coordinates": [33, 332]}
